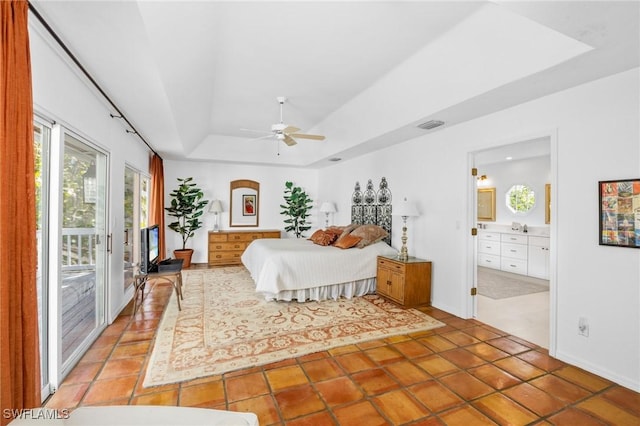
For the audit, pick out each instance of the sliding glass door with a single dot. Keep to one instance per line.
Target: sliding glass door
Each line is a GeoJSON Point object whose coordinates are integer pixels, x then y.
{"type": "Point", "coordinates": [82, 263]}
{"type": "Point", "coordinates": [136, 206]}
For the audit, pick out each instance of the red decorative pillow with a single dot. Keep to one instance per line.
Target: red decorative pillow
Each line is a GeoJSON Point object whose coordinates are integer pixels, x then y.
{"type": "Point", "coordinates": [347, 241]}
{"type": "Point", "coordinates": [369, 234]}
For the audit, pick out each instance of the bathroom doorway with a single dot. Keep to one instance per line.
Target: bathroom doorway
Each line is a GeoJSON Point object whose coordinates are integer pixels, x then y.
{"type": "Point", "coordinates": [512, 268]}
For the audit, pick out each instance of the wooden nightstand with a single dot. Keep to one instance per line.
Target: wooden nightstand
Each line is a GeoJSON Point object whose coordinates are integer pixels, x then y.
{"type": "Point", "coordinates": [405, 282]}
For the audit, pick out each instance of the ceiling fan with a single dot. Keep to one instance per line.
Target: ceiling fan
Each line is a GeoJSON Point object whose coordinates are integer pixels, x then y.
{"type": "Point", "coordinates": [284, 132]}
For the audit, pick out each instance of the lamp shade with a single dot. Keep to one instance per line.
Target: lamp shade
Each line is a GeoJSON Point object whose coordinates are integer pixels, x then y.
{"type": "Point", "coordinates": [405, 208]}
{"type": "Point", "coordinates": [328, 207]}
{"type": "Point", "coordinates": [215, 207]}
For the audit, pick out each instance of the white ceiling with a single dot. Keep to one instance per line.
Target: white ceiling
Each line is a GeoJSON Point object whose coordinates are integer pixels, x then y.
{"type": "Point", "coordinates": [190, 75]}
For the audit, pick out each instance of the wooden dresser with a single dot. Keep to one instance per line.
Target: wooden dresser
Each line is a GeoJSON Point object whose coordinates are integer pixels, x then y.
{"type": "Point", "coordinates": [405, 282]}
{"type": "Point", "coordinates": [226, 247]}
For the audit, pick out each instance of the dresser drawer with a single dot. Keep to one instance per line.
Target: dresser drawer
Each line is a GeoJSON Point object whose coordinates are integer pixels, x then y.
{"type": "Point", "coordinates": [224, 256]}
{"type": "Point", "coordinates": [215, 237]}
{"type": "Point", "coordinates": [514, 238]}
{"type": "Point", "coordinates": [246, 236]}
{"type": "Point", "coordinates": [228, 246]}
{"type": "Point", "coordinates": [489, 260]}
{"type": "Point", "coordinates": [517, 266]}
{"type": "Point", "coordinates": [489, 247]}
{"type": "Point", "coordinates": [515, 251]}
{"type": "Point", "coordinates": [391, 265]}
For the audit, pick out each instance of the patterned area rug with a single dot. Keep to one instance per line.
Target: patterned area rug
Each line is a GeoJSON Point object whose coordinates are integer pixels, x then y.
{"type": "Point", "coordinates": [499, 285]}
{"type": "Point", "coordinates": [224, 326]}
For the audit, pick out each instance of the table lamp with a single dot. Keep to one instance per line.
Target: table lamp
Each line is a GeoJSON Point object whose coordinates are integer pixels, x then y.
{"type": "Point", "coordinates": [404, 209]}
{"type": "Point", "coordinates": [326, 208]}
{"type": "Point", "coordinates": [216, 208]}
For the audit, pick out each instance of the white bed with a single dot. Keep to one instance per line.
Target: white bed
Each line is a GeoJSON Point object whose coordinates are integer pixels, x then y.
{"type": "Point", "coordinates": [297, 269]}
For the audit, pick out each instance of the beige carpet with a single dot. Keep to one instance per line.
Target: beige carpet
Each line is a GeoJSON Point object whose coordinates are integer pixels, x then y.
{"type": "Point", "coordinates": [502, 285]}
{"type": "Point", "coordinates": [224, 326]}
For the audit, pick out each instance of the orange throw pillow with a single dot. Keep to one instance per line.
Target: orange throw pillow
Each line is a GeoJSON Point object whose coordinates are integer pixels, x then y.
{"type": "Point", "coordinates": [347, 241]}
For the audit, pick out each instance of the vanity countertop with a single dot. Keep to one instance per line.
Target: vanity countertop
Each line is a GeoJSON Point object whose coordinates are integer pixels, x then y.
{"type": "Point", "coordinates": [536, 231]}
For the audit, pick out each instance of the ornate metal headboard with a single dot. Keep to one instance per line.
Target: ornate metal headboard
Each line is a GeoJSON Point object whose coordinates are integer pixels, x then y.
{"type": "Point", "coordinates": [372, 207]}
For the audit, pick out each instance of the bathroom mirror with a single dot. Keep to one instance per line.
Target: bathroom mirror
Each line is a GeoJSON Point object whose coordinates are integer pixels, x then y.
{"type": "Point", "coordinates": [244, 203]}
{"type": "Point", "coordinates": [487, 204]}
{"type": "Point", "coordinates": [520, 199]}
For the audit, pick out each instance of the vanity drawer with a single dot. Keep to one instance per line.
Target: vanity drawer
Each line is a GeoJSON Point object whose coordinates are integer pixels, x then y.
{"type": "Point", "coordinates": [515, 251]}
{"type": "Point", "coordinates": [514, 238]}
{"type": "Point", "coordinates": [517, 266]}
{"type": "Point", "coordinates": [489, 236]}
{"type": "Point", "coordinates": [489, 247]}
{"type": "Point", "coordinates": [489, 261]}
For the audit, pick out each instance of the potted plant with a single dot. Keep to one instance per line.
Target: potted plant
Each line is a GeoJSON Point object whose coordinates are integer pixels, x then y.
{"type": "Point", "coordinates": [187, 206]}
{"type": "Point", "coordinates": [296, 208]}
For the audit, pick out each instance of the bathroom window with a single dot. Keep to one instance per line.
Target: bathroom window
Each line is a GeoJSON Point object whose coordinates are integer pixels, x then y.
{"type": "Point", "coordinates": [520, 199]}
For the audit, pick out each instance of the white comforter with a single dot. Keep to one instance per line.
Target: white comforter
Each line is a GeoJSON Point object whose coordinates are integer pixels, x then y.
{"type": "Point", "coordinates": [278, 265]}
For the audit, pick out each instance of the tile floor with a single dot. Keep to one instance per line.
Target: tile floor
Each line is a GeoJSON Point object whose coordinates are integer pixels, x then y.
{"type": "Point", "coordinates": [525, 316]}
{"type": "Point", "coordinates": [466, 373]}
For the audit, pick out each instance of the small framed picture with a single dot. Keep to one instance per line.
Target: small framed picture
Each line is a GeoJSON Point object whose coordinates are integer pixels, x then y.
{"type": "Point", "coordinates": [249, 205]}
{"type": "Point", "coordinates": [620, 212]}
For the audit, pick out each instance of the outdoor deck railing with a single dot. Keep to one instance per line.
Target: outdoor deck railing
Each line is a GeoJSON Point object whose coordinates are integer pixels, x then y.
{"type": "Point", "coordinates": [78, 245]}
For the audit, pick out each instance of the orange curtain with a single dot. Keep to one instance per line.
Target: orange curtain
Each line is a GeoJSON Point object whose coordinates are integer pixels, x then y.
{"type": "Point", "coordinates": [19, 347]}
{"type": "Point", "coordinates": [156, 208]}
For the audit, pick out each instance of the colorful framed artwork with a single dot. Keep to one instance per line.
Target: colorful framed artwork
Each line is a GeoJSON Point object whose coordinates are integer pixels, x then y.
{"type": "Point", "coordinates": [620, 213]}
{"type": "Point", "coordinates": [249, 205]}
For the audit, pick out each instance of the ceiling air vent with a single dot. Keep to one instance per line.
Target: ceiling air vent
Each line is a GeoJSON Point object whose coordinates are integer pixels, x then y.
{"type": "Point", "coordinates": [334, 159]}
{"type": "Point", "coordinates": [431, 124]}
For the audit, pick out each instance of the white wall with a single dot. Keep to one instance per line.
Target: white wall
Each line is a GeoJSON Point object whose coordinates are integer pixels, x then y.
{"type": "Point", "coordinates": [61, 95]}
{"type": "Point", "coordinates": [597, 139]}
{"type": "Point", "coordinates": [214, 179]}
{"type": "Point", "coordinates": [534, 172]}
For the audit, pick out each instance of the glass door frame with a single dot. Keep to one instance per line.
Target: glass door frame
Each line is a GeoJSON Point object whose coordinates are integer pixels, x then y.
{"type": "Point", "coordinates": [59, 368]}
{"type": "Point", "coordinates": [43, 243]}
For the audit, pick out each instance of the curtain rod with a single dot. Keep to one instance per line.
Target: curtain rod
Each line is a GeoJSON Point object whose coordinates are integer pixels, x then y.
{"type": "Point", "coordinates": [91, 79]}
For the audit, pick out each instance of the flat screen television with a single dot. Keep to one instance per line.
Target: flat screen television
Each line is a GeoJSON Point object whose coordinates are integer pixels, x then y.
{"type": "Point", "coordinates": [149, 249]}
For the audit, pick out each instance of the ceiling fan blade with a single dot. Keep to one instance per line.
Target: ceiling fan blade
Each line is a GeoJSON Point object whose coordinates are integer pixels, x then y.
{"type": "Point", "coordinates": [303, 136]}
{"type": "Point", "coordinates": [255, 131]}
{"type": "Point", "coordinates": [289, 140]}
{"type": "Point", "coordinates": [261, 137]}
{"type": "Point", "coordinates": [290, 129]}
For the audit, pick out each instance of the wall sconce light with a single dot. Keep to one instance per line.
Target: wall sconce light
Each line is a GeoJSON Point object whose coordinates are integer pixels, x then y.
{"type": "Point", "coordinates": [482, 180]}
{"type": "Point", "coordinates": [405, 209]}
{"type": "Point", "coordinates": [216, 208]}
{"type": "Point", "coordinates": [326, 208]}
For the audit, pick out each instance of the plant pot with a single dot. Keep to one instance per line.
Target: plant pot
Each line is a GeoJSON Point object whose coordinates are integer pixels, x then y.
{"type": "Point", "coordinates": [185, 255]}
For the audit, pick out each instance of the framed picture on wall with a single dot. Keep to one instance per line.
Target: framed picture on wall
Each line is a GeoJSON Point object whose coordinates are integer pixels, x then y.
{"type": "Point", "coordinates": [619, 212]}
{"type": "Point", "coordinates": [249, 205]}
